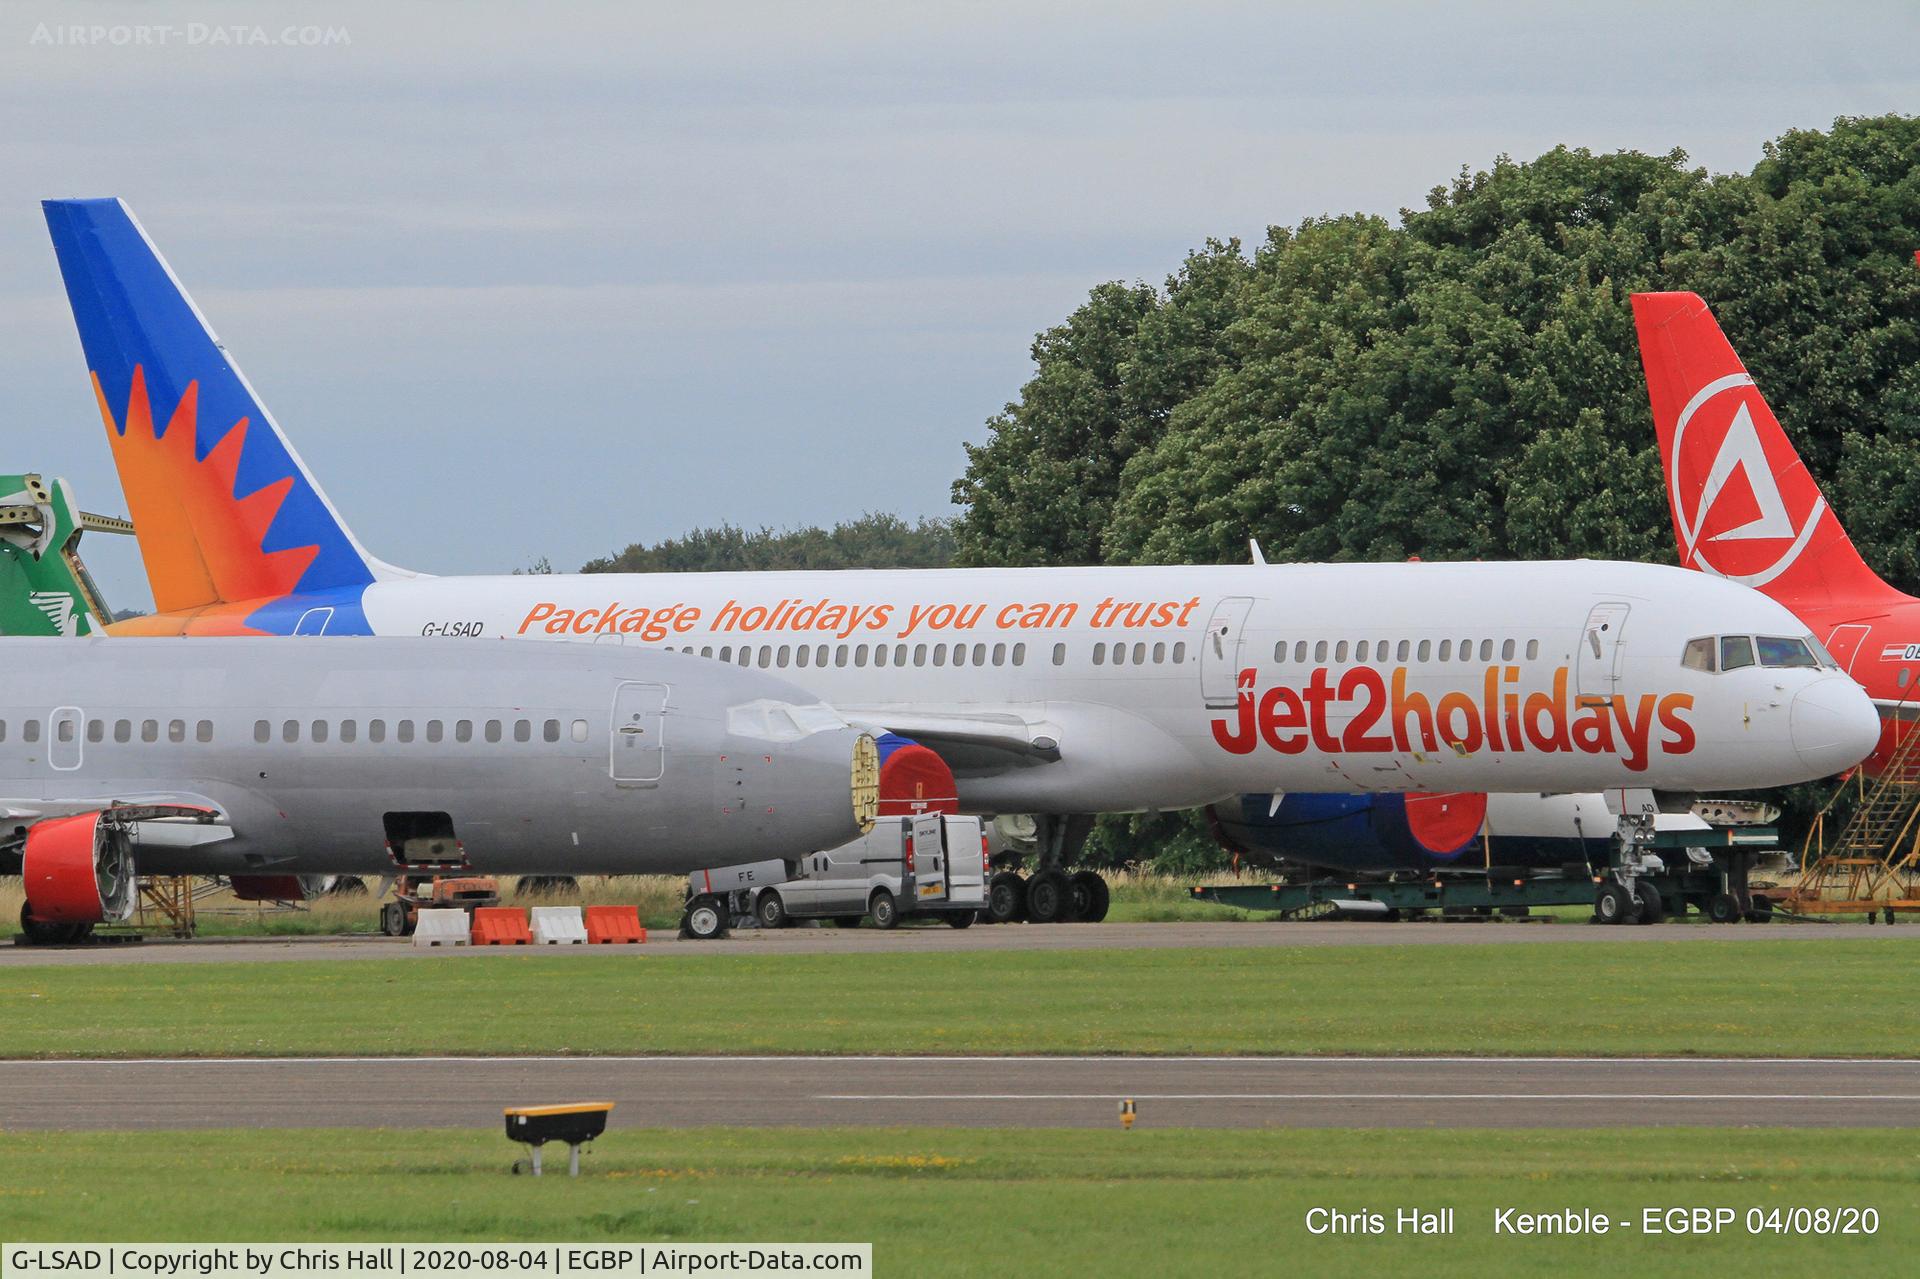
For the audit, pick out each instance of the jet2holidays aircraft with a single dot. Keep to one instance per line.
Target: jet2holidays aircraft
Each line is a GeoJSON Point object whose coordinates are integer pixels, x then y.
{"type": "Point", "coordinates": [1057, 692]}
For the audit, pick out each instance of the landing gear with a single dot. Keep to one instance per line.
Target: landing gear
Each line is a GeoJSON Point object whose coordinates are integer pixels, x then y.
{"type": "Point", "coordinates": [1613, 904]}
{"type": "Point", "coordinates": [1048, 897]}
{"type": "Point", "coordinates": [706, 918]}
{"type": "Point", "coordinates": [1647, 897]}
{"type": "Point", "coordinates": [1090, 896]}
{"type": "Point", "coordinates": [1006, 898]}
{"type": "Point", "coordinates": [770, 911]}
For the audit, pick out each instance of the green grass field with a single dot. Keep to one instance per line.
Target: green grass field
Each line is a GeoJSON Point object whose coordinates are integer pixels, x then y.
{"type": "Point", "coordinates": [1834, 998]}
{"type": "Point", "coordinates": [970, 1202]}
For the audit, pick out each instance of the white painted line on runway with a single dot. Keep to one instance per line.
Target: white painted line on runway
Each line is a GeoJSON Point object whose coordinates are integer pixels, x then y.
{"type": "Point", "coordinates": [1369, 1096]}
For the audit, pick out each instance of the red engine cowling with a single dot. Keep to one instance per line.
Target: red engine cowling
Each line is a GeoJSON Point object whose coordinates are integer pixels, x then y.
{"type": "Point", "coordinates": [914, 780]}
{"type": "Point", "coordinates": [78, 870]}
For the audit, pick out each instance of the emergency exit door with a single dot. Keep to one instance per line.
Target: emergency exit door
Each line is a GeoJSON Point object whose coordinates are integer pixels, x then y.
{"type": "Point", "coordinates": [639, 748]}
{"type": "Point", "coordinates": [1220, 651]}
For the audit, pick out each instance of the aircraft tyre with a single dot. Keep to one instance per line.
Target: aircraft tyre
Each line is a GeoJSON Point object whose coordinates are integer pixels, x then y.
{"type": "Point", "coordinates": [1647, 898]}
{"type": "Point", "coordinates": [1090, 896]}
{"type": "Point", "coordinates": [883, 910]}
{"type": "Point", "coordinates": [1724, 909]}
{"type": "Point", "coordinates": [962, 918]}
{"type": "Point", "coordinates": [705, 918]}
{"type": "Point", "coordinates": [1006, 898]}
{"type": "Point", "coordinates": [771, 911]}
{"type": "Point", "coordinates": [1048, 897]}
{"type": "Point", "coordinates": [1613, 905]}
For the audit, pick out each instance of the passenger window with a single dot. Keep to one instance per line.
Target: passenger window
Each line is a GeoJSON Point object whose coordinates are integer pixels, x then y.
{"type": "Point", "coordinates": [1300, 653]}
{"type": "Point", "coordinates": [879, 654]}
{"type": "Point", "coordinates": [96, 730]}
{"type": "Point", "coordinates": [1506, 650]}
{"type": "Point", "coordinates": [176, 730]}
{"type": "Point", "coordinates": [1426, 648]}
{"type": "Point", "coordinates": [1699, 654]}
{"type": "Point", "coordinates": [840, 655]}
{"type": "Point", "coordinates": [1902, 678]}
{"type": "Point", "coordinates": [150, 730]}
{"type": "Point", "coordinates": [1159, 654]}
{"type": "Point", "coordinates": [1100, 654]}
{"type": "Point", "coordinates": [1735, 651]}
{"type": "Point", "coordinates": [1779, 651]}
{"type": "Point", "coordinates": [436, 731]}
{"type": "Point", "coordinates": [999, 654]}
{"type": "Point", "coordinates": [3, 730]}
{"type": "Point", "coordinates": [262, 730]}
{"type": "Point", "coordinates": [959, 655]}
{"type": "Point", "coordinates": [1466, 650]}
{"type": "Point", "coordinates": [349, 731]}
{"type": "Point", "coordinates": [919, 654]}
{"type": "Point", "coordinates": [1360, 651]}
{"type": "Point", "coordinates": [726, 652]}
{"type": "Point", "coordinates": [403, 731]}
{"type": "Point", "coordinates": [1320, 651]}
{"type": "Point", "coordinates": [820, 655]}
{"type": "Point", "coordinates": [550, 731]}
{"type": "Point", "coordinates": [766, 656]}
{"type": "Point", "coordinates": [1179, 651]}
{"type": "Point", "coordinates": [1059, 654]}
{"type": "Point", "coordinates": [523, 730]}
{"type": "Point", "coordinates": [1533, 649]}
{"type": "Point", "coordinates": [463, 730]}
{"type": "Point", "coordinates": [1019, 654]}
{"type": "Point", "coordinates": [859, 654]}
{"type": "Point", "coordinates": [1340, 651]}
{"type": "Point", "coordinates": [1119, 654]}
{"type": "Point", "coordinates": [1280, 652]}
{"type": "Point", "coordinates": [376, 730]}
{"type": "Point", "coordinates": [579, 730]}
{"type": "Point", "coordinates": [1405, 647]}
{"type": "Point", "coordinates": [289, 731]}
{"type": "Point", "coordinates": [1446, 650]}
{"type": "Point", "coordinates": [939, 654]}
{"type": "Point", "coordinates": [1486, 650]}
{"type": "Point", "coordinates": [781, 658]}
{"type": "Point", "coordinates": [123, 731]}
{"type": "Point", "coordinates": [493, 731]}
{"type": "Point", "coordinates": [319, 730]}
{"type": "Point", "coordinates": [65, 730]}
{"type": "Point", "coordinates": [1140, 653]}
{"type": "Point", "coordinates": [30, 731]}
{"type": "Point", "coordinates": [800, 656]}
{"type": "Point", "coordinates": [706, 650]}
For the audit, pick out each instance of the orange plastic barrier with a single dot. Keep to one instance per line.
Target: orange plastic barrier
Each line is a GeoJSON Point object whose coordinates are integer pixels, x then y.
{"type": "Point", "coordinates": [610, 925]}
{"type": "Point", "coordinates": [501, 926]}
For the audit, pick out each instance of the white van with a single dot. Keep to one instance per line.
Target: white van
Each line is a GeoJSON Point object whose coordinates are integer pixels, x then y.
{"type": "Point", "coordinates": [925, 864]}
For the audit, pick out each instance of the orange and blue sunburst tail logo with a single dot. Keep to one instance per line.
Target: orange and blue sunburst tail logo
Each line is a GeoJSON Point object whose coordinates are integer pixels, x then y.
{"type": "Point", "coordinates": [232, 527]}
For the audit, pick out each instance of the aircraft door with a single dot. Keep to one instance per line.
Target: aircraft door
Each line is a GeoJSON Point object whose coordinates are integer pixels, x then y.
{"type": "Point", "coordinates": [639, 756]}
{"type": "Point", "coordinates": [1844, 644]}
{"type": "Point", "coordinates": [63, 738]}
{"type": "Point", "coordinates": [1220, 651]}
{"type": "Point", "coordinates": [1598, 661]}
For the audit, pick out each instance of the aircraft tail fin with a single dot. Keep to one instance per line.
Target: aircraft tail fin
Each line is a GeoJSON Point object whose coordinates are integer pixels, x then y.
{"type": "Point", "coordinates": [1744, 505]}
{"type": "Point", "coordinates": [225, 510]}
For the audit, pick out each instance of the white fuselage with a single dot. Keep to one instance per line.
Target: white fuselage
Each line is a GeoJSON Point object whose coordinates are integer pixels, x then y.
{"type": "Point", "coordinates": [1116, 689]}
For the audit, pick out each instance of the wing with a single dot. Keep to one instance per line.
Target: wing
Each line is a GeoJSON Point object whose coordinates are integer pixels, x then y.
{"type": "Point", "coordinates": [174, 820]}
{"type": "Point", "coordinates": [974, 744]}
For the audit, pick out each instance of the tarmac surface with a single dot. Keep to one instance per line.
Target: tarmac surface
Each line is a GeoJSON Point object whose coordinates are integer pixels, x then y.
{"type": "Point", "coordinates": [825, 941]}
{"type": "Point", "coordinates": [986, 1092]}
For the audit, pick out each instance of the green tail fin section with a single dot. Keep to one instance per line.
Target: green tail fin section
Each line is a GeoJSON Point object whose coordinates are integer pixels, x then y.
{"type": "Point", "coordinates": [44, 587]}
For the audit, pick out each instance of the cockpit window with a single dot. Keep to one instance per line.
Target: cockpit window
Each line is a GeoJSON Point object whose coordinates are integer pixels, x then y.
{"type": "Point", "coordinates": [1735, 651]}
{"type": "Point", "coordinates": [1777, 650]}
{"type": "Point", "coordinates": [1699, 654]}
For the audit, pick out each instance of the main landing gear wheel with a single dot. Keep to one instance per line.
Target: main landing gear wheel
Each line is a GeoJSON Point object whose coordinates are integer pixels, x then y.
{"type": "Point", "coordinates": [883, 910]}
{"type": "Point", "coordinates": [1652, 909]}
{"type": "Point", "coordinates": [1006, 898]}
{"type": "Point", "coordinates": [1048, 897]}
{"type": "Point", "coordinates": [1089, 896]}
{"type": "Point", "coordinates": [706, 918]}
{"type": "Point", "coordinates": [1613, 905]}
{"type": "Point", "coordinates": [1724, 909]}
{"type": "Point", "coordinates": [771, 911]}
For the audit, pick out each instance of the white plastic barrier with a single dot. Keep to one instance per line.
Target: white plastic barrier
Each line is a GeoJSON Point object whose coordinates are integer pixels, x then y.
{"type": "Point", "coordinates": [558, 926]}
{"type": "Point", "coordinates": [443, 928]}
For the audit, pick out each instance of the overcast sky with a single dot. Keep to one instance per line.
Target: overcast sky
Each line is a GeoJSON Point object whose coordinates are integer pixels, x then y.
{"type": "Point", "coordinates": [523, 283]}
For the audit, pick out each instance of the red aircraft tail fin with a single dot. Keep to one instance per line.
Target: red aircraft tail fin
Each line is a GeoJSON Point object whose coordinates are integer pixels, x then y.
{"type": "Point", "coordinates": [1744, 505]}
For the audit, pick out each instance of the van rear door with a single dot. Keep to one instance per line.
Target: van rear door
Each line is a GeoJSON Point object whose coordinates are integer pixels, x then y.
{"type": "Point", "coordinates": [966, 861]}
{"type": "Point", "coordinates": [929, 854]}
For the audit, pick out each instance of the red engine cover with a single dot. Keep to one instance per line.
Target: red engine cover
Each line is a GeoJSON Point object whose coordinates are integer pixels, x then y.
{"type": "Point", "coordinates": [1444, 824]}
{"type": "Point", "coordinates": [914, 780]}
{"type": "Point", "coordinates": [74, 873]}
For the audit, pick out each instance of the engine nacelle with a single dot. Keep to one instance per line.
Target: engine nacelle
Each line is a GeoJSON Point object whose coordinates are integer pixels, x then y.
{"type": "Point", "coordinates": [913, 779]}
{"type": "Point", "coordinates": [78, 870]}
{"type": "Point", "coordinates": [1356, 832]}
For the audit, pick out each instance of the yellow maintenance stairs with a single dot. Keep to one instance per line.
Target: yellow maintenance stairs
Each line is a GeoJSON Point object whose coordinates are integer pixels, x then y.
{"type": "Point", "coordinates": [1873, 865]}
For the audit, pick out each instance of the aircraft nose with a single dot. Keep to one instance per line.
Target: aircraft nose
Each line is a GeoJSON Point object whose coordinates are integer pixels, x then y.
{"type": "Point", "coordinates": [1833, 724]}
